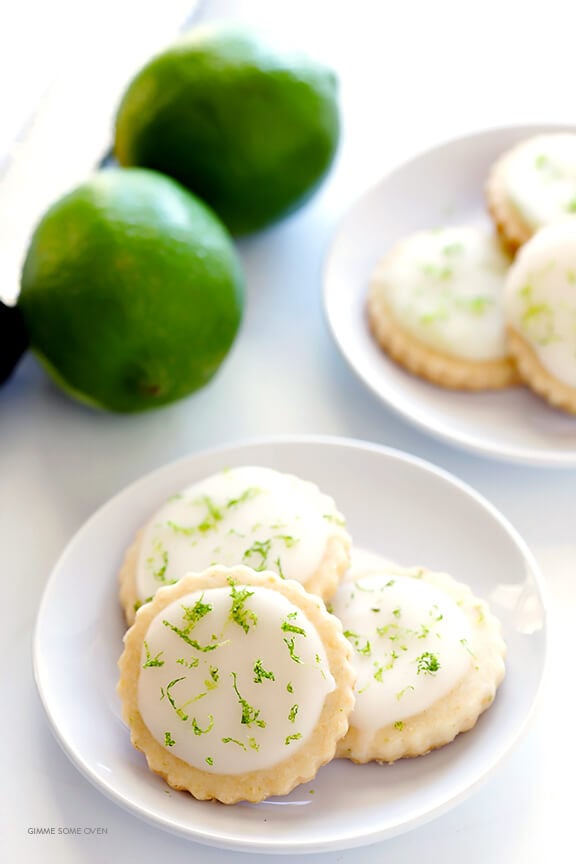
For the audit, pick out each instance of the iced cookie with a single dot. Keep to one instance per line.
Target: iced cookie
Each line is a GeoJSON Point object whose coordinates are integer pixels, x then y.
{"type": "Point", "coordinates": [254, 516]}
{"type": "Point", "coordinates": [435, 306]}
{"type": "Point", "coordinates": [428, 656]}
{"type": "Point", "coordinates": [236, 684]}
{"type": "Point", "coordinates": [533, 185]}
{"type": "Point", "coordinates": [540, 300]}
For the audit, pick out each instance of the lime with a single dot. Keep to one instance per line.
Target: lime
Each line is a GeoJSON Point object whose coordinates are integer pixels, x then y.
{"type": "Point", "coordinates": [131, 291]}
{"type": "Point", "coordinates": [250, 129]}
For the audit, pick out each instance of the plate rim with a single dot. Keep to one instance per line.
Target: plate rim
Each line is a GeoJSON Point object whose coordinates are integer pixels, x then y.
{"type": "Point", "coordinates": [506, 453]}
{"type": "Point", "coordinates": [267, 845]}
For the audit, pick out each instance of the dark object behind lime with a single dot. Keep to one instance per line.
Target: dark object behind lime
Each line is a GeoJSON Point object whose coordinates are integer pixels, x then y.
{"type": "Point", "coordinates": [13, 340]}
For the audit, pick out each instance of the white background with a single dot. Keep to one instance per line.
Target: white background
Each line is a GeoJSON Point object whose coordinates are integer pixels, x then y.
{"type": "Point", "coordinates": [412, 73]}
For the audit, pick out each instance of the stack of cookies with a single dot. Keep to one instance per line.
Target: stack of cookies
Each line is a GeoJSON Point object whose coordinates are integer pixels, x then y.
{"type": "Point", "coordinates": [262, 645]}
{"type": "Point", "coordinates": [473, 308]}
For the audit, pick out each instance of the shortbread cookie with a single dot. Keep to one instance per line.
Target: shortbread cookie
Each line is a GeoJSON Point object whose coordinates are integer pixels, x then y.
{"type": "Point", "coordinates": [254, 516]}
{"type": "Point", "coordinates": [435, 306]}
{"type": "Point", "coordinates": [540, 300]}
{"type": "Point", "coordinates": [533, 185]}
{"type": "Point", "coordinates": [236, 685]}
{"type": "Point", "coordinates": [428, 655]}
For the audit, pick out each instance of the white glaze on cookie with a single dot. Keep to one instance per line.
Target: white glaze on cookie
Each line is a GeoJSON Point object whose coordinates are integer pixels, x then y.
{"type": "Point", "coordinates": [445, 288]}
{"type": "Point", "coordinates": [249, 515]}
{"type": "Point", "coordinates": [410, 641]}
{"type": "Point", "coordinates": [539, 178]}
{"type": "Point", "coordinates": [233, 679]}
{"type": "Point", "coordinates": [540, 298]}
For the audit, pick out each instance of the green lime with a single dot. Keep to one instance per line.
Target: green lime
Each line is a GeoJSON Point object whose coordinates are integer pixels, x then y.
{"type": "Point", "coordinates": [249, 129]}
{"type": "Point", "coordinates": [131, 291]}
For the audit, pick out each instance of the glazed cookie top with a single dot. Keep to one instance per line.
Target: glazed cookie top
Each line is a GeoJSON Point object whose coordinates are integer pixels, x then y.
{"type": "Point", "coordinates": [410, 644]}
{"type": "Point", "coordinates": [540, 298]}
{"type": "Point", "coordinates": [445, 288]}
{"type": "Point", "coordinates": [248, 515]}
{"type": "Point", "coordinates": [233, 679]}
{"type": "Point", "coordinates": [539, 178]}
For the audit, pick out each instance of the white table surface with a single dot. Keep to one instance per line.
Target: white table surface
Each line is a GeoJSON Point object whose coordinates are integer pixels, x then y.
{"type": "Point", "coordinates": [412, 73]}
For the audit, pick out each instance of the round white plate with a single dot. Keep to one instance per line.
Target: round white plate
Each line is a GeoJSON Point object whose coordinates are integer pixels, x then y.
{"type": "Point", "coordinates": [396, 505]}
{"type": "Point", "coordinates": [441, 187]}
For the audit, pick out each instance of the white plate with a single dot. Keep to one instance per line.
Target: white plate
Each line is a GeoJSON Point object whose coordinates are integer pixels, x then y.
{"type": "Point", "coordinates": [396, 505]}
{"type": "Point", "coordinates": [443, 186]}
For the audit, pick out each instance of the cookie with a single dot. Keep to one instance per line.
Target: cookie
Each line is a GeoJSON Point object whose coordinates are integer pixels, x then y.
{"type": "Point", "coordinates": [249, 515]}
{"type": "Point", "coordinates": [235, 684]}
{"type": "Point", "coordinates": [532, 185]}
{"type": "Point", "coordinates": [428, 656]}
{"type": "Point", "coordinates": [435, 306]}
{"type": "Point", "coordinates": [540, 301]}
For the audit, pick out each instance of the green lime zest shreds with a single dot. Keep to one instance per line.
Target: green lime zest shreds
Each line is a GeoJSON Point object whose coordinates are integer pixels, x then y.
{"type": "Point", "coordinates": [427, 663]}
{"type": "Point", "coordinates": [241, 616]}
{"type": "Point", "coordinates": [250, 714]}
{"type": "Point", "coordinates": [152, 661]}
{"type": "Point", "coordinates": [260, 673]}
